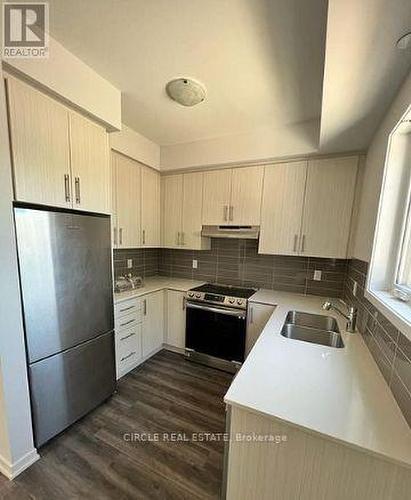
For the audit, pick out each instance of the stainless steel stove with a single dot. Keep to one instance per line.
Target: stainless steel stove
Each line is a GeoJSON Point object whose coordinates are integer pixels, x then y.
{"type": "Point", "coordinates": [216, 322]}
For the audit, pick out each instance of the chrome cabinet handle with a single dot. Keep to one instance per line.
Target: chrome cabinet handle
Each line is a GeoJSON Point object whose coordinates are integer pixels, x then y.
{"type": "Point", "coordinates": [303, 243]}
{"type": "Point", "coordinates": [182, 238]}
{"type": "Point", "coordinates": [77, 189]}
{"type": "Point", "coordinates": [144, 236]}
{"type": "Point", "coordinates": [127, 322]}
{"type": "Point", "coordinates": [178, 239]}
{"type": "Point", "coordinates": [225, 212]}
{"type": "Point", "coordinates": [115, 236]}
{"type": "Point", "coordinates": [184, 303]}
{"type": "Point", "coordinates": [127, 308]}
{"type": "Point", "coordinates": [120, 234]}
{"type": "Point", "coordinates": [145, 307]}
{"type": "Point", "coordinates": [251, 315]}
{"type": "Point", "coordinates": [128, 356]}
{"type": "Point", "coordinates": [128, 336]}
{"type": "Point", "coordinates": [295, 242]}
{"type": "Point", "coordinates": [67, 187]}
{"type": "Point", "coordinates": [231, 213]}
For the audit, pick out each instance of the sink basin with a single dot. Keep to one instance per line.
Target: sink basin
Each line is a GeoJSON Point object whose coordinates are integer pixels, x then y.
{"type": "Point", "coordinates": [314, 328]}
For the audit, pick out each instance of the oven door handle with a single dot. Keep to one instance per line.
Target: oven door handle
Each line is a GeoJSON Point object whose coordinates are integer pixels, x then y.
{"type": "Point", "coordinates": [227, 312]}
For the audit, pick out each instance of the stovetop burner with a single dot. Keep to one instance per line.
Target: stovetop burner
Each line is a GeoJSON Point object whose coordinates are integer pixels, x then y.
{"type": "Point", "coordinates": [230, 291]}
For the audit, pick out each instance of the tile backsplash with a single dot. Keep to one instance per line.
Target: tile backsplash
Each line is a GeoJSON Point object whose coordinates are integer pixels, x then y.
{"type": "Point", "coordinates": [390, 349]}
{"type": "Point", "coordinates": [237, 262]}
{"type": "Point", "coordinates": [145, 261]}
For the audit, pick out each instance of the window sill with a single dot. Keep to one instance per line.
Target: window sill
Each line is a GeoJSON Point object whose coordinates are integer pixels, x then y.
{"type": "Point", "coordinates": [397, 312]}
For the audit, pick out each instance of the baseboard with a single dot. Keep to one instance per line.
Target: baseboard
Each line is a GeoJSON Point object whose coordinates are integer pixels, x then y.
{"type": "Point", "coordinates": [13, 470]}
{"type": "Point", "coordinates": [172, 348]}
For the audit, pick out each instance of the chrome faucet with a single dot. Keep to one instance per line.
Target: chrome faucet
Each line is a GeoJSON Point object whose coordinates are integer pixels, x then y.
{"type": "Point", "coordinates": [351, 317]}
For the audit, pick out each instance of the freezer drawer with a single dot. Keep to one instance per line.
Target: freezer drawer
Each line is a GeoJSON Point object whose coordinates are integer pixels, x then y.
{"type": "Point", "coordinates": [66, 386]}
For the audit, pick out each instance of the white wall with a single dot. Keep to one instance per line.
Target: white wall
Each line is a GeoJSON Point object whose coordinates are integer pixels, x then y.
{"type": "Point", "coordinates": [373, 173]}
{"type": "Point", "coordinates": [16, 438]}
{"type": "Point", "coordinates": [67, 76]}
{"type": "Point", "coordinates": [265, 144]}
{"type": "Point", "coordinates": [136, 146]}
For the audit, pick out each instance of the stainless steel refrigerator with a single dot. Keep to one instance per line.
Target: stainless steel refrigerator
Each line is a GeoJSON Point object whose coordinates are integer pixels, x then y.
{"type": "Point", "coordinates": [66, 285]}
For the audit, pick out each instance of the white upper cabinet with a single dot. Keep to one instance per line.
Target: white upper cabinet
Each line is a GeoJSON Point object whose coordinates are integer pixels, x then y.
{"type": "Point", "coordinates": [150, 207]}
{"type": "Point", "coordinates": [328, 207]}
{"type": "Point", "coordinates": [192, 213]}
{"type": "Point", "coordinates": [182, 197]}
{"type": "Point", "coordinates": [307, 210]}
{"type": "Point", "coordinates": [40, 146]}
{"type": "Point", "coordinates": [246, 191]}
{"type": "Point", "coordinates": [60, 158]}
{"type": "Point", "coordinates": [216, 197]}
{"type": "Point", "coordinates": [172, 196]}
{"type": "Point", "coordinates": [127, 203]}
{"type": "Point", "coordinates": [233, 196]}
{"type": "Point", "coordinates": [90, 165]}
{"type": "Point", "coordinates": [282, 208]}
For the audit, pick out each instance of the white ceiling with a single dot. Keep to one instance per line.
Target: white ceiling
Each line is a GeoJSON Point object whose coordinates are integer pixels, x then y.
{"type": "Point", "coordinates": [363, 69]}
{"type": "Point", "coordinates": [261, 60]}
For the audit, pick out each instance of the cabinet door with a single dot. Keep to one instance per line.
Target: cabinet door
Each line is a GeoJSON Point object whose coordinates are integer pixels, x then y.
{"type": "Point", "coordinates": [282, 207]}
{"type": "Point", "coordinates": [258, 315]}
{"type": "Point", "coordinates": [40, 146]}
{"type": "Point", "coordinates": [192, 213]}
{"type": "Point", "coordinates": [172, 194]}
{"type": "Point", "coordinates": [128, 186]}
{"type": "Point", "coordinates": [150, 207]}
{"type": "Point", "coordinates": [216, 197]}
{"type": "Point", "coordinates": [328, 207]}
{"type": "Point", "coordinates": [153, 322]}
{"type": "Point", "coordinates": [89, 165]}
{"type": "Point", "coordinates": [176, 319]}
{"type": "Point", "coordinates": [246, 192]}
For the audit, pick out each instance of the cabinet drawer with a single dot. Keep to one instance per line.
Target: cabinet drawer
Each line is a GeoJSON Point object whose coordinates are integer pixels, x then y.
{"type": "Point", "coordinates": [128, 347]}
{"type": "Point", "coordinates": [128, 321]}
{"type": "Point", "coordinates": [127, 307]}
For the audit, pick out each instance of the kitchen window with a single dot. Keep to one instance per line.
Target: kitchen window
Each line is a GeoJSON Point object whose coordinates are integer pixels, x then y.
{"type": "Point", "coordinates": [403, 277]}
{"type": "Point", "coordinates": [389, 278]}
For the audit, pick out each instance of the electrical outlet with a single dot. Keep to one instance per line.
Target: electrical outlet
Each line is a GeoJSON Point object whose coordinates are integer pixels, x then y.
{"type": "Point", "coordinates": [195, 263]}
{"type": "Point", "coordinates": [129, 263]}
{"type": "Point", "coordinates": [354, 288]}
{"type": "Point", "coordinates": [317, 275]}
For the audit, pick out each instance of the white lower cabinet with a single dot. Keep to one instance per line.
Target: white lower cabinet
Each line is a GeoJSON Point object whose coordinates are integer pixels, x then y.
{"type": "Point", "coordinates": [176, 319]}
{"type": "Point", "coordinates": [139, 330]}
{"type": "Point", "coordinates": [128, 335]}
{"type": "Point", "coordinates": [258, 315]}
{"type": "Point", "coordinates": [153, 322]}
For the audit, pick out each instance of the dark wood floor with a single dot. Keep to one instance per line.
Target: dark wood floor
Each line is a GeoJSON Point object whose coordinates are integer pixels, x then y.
{"type": "Point", "coordinates": [92, 460]}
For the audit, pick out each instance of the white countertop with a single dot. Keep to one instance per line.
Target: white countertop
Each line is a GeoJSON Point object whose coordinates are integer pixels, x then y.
{"type": "Point", "coordinates": [339, 393]}
{"type": "Point", "coordinates": [263, 296]}
{"type": "Point", "coordinates": [158, 283]}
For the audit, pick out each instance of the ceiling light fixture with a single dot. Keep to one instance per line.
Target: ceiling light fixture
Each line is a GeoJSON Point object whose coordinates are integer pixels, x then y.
{"type": "Point", "coordinates": [404, 42]}
{"type": "Point", "coordinates": [186, 91]}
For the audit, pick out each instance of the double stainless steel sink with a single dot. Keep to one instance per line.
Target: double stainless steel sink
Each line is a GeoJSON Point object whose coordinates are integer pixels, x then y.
{"type": "Point", "coordinates": [314, 328]}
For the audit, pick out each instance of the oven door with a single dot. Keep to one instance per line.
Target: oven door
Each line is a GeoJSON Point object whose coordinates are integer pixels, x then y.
{"type": "Point", "coordinates": [216, 331]}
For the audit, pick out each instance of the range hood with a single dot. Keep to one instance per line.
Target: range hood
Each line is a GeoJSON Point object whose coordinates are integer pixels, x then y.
{"type": "Point", "coordinates": [246, 232]}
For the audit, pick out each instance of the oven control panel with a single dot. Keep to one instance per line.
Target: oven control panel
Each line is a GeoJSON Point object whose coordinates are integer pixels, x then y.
{"type": "Point", "coordinates": [214, 298]}
{"type": "Point", "coordinates": [217, 299]}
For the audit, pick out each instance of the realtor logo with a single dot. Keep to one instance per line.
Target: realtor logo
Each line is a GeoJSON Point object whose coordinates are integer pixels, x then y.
{"type": "Point", "coordinates": [25, 28]}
